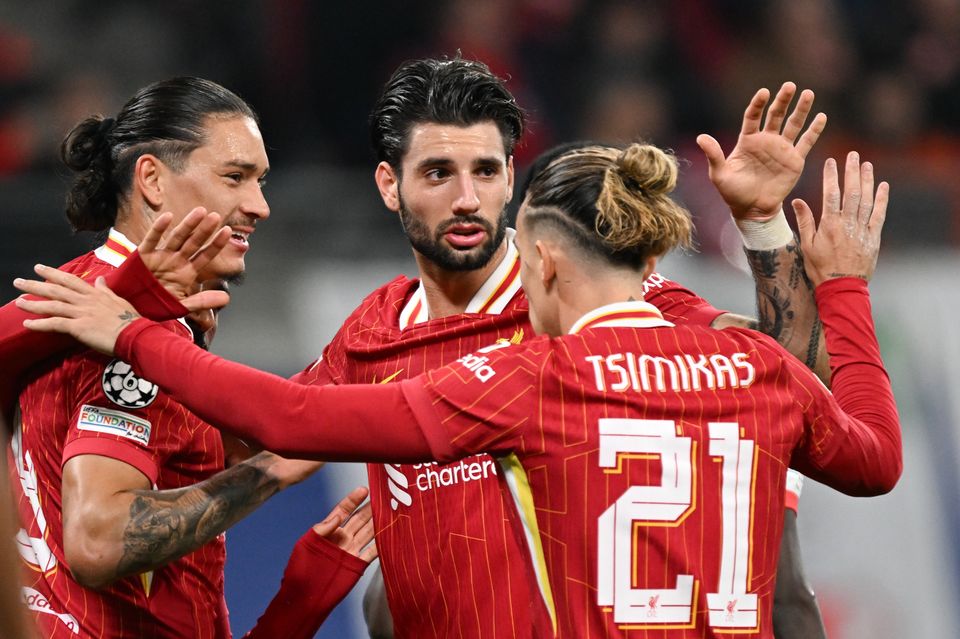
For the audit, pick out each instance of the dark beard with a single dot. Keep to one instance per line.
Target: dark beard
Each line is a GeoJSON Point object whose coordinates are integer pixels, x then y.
{"type": "Point", "coordinates": [447, 258]}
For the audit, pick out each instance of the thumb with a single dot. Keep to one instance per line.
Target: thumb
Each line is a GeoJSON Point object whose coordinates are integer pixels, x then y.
{"type": "Point", "coordinates": [711, 149]}
{"type": "Point", "coordinates": [206, 300]}
{"type": "Point", "coordinates": [806, 227]}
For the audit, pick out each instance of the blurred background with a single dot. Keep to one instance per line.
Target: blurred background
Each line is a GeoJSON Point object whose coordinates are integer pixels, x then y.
{"type": "Point", "coordinates": [887, 73]}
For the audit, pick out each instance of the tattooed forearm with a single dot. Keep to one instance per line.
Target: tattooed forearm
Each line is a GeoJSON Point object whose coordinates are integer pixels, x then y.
{"type": "Point", "coordinates": [786, 307]}
{"type": "Point", "coordinates": [168, 524]}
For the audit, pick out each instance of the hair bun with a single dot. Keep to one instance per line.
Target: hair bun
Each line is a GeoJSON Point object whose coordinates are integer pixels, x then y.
{"type": "Point", "coordinates": [88, 144]}
{"type": "Point", "coordinates": [650, 169]}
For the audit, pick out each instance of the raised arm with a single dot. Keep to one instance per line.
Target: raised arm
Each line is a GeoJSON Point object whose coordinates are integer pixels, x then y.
{"type": "Point", "coordinates": [754, 180]}
{"type": "Point", "coordinates": [159, 280]}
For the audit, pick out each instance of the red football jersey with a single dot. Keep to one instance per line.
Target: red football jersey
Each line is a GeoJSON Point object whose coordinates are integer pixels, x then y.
{"type": "Point", "coordinates": [451, 563]}
{"type": "Point", "coordinates": [91, 404]}
{"type": "Point", "coordinates": [648, 465]}
{"type": "Point", "coordinates": [647, 461]}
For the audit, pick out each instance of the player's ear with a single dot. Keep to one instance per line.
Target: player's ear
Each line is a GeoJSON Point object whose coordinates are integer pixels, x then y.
{"type": "Point", "coordinates": [548, 263]}
{"type": "Point", "coordinates": [388, 183]}
{"type": "Point", "coordinates": [147, 172]}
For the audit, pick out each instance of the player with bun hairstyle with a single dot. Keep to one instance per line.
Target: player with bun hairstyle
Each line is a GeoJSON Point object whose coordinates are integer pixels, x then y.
{"type": "Point", "coordinates": [645, 472]}
{"type": "Point", "coordinates": [122, 492]}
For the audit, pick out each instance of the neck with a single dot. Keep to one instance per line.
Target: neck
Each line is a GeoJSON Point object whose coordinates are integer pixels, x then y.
{"type": "Point", "coordinates": [449, 292]}
{"type": "Point", "coordinates": [133, 224]}
{"type": "Point", "coordinates": [582, 293]}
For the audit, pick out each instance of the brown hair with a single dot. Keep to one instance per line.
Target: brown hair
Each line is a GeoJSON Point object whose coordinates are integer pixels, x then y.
{"type": "Point", "coordinates": [613, 201]}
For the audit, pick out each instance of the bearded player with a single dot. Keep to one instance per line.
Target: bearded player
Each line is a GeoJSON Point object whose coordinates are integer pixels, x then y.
{"type": "Point", "coordinates": [645, 460]}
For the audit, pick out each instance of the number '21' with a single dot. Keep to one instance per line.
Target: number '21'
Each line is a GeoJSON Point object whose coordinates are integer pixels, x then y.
{"type": "Point", "coordinates": [730, 605]}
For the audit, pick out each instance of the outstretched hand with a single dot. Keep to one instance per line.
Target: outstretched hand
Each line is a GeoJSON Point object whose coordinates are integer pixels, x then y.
{"type": "Point", "coordinates": [768, 159]}
{"type": "Point", "coordinates": [847, 241]}
{"type": "Point", "coordinates": [350, 526]}
{"type": "Point", "coordinates": [92, 314]}
{"type": "Point", "coordinates": [178, 259]}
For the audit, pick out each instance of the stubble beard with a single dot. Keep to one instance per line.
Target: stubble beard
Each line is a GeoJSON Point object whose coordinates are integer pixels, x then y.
{"type": "Point", "coordinates": [448, 258]}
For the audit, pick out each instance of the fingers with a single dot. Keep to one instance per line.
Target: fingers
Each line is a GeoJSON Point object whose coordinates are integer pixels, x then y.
{"type": "Point", "coordinates": [799, 116]}
{"type": "Point", "coordinates": [155, 232]}
{"type": "Point", "coordinates": [879, 214]}
{"type": "Point", "coordinates": [866, 194]}
{"type": "Point", "coordinates": [812, 134]}
{"type": "Point", "coordinates": [831, 189]}
{"type": "Point", "coordinates": [851, 185]}
{"type": "Point", "coordinates": [369, 553]}
{"type": "Point", "coordinates": [68, 281]}
{"type": "Point", "coordinates": [46, 307]}
{"type": "Point", "coordinates": [203, 257]}
{"type": "Point", "coordinates": [206, 300]}
{"type": "Point", "coordinates": [711, 149]}
{"type": "Point", "coordinates": [778, 108]}
{"type": "Point", "coordinates": [358, 520]}
{"type": "Point", "coordinates": [754, 112]}
{"type": "Point", "coordinates": [193, 232]}
{"type": "Point", "coordinates": [806, 227]}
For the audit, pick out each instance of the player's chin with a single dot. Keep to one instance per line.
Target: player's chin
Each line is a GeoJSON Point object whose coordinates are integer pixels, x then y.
{"type": "Point", "coordinates": [229, 268]}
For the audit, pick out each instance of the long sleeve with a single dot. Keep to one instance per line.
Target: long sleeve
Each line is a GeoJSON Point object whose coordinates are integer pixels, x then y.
{"type": "Point", "coordinates": [858, 451]}
{"type": "Point", "coordinates": [21, 348]}
{"type": "Point", "coordinates": [337, 423]}
{"type": "Point", "coordinates": [318, 576]}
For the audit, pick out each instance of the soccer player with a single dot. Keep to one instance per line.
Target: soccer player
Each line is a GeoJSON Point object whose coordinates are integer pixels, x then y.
{"type": "Point", "coordinates": [647, 478]}
{"type": "Point", "coordinates": [122, 491]}
{"type": "Point", "coordinates": [444, 132]}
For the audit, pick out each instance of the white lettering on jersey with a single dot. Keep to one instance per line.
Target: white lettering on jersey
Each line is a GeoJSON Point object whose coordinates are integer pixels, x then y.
{"type": "Point", "coordinates": [628, 371]}
{"type": "Point", "coordinates": [33, 550]}
{"type": "Point", "coordinates": [34, 600]}
{"type": "Point", "coordinates": [433, 476]}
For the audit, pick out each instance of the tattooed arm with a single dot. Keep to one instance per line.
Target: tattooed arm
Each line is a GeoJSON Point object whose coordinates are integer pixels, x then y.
{"type": "Point", "coordinates": [786, 309]}
{"type": "Point", "coordinates": [114, 525]}
{"type": "Point", "coordinates": [754, 180]}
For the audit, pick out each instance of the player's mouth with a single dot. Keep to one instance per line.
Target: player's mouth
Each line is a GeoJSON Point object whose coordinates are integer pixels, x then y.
{"type": "Point", "coordinates": [465, 236]}
{"type": "Point", "coordinates": [240, 238]}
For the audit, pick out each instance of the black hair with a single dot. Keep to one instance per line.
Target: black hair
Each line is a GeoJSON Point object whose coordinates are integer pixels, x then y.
{"type": "Point", "coordinates": [166, 119]}
{"type": "Point", "coordinates": [447, 91]}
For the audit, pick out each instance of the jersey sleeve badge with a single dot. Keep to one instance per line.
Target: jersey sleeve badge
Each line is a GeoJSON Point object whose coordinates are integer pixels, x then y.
{"type": "Point", "coordinates": [125, 388]}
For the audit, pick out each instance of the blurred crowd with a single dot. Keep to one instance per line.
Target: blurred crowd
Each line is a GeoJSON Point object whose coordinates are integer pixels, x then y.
{"type": "Point", "coordinates": [887, 73]}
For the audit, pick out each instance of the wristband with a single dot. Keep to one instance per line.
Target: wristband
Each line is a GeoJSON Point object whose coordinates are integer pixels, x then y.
{"type": "Point", "coordinates": [765, 235]}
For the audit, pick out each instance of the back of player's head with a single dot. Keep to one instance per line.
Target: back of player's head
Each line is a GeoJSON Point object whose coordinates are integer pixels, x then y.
{"type": "Point", "coordinates": [448, 91]}
{"type": "Point", "coordinates": [166, 119]}
{"type": "Point", "coordinates": [543, 160]}
{"type": "Point", "coordinates": [612, 202]}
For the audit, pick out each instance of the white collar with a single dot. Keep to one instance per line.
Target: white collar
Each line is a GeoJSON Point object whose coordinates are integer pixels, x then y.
{"type": "Point", "coordinates": [116, 249]}
{"type": "Point", "coordinates": [638, 314]}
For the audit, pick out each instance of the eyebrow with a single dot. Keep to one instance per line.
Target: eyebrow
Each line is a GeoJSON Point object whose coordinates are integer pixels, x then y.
{"type": "Point", "coordinates": [245, 166]}
{"type": "Point", "coordinates": [445, 162]}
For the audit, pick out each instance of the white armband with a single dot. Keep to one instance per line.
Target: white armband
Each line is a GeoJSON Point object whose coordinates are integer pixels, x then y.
{"type": "Point", "coordinates": [766, 235]}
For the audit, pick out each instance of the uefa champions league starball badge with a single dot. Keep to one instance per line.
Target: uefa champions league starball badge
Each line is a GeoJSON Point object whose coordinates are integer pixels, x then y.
{"type": "Point", "coordinates": [124, 388]}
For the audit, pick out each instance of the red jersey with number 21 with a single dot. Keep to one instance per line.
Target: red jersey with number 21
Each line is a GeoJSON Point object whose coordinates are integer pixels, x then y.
{"type": "Point", "coordinates": [647, 464]}
{"type": "Point", "coordinates": [451, 562]}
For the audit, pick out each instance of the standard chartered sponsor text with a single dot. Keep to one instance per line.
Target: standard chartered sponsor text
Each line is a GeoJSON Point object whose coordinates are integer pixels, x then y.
{"type": "Point", "coordinates": [432, 475]}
